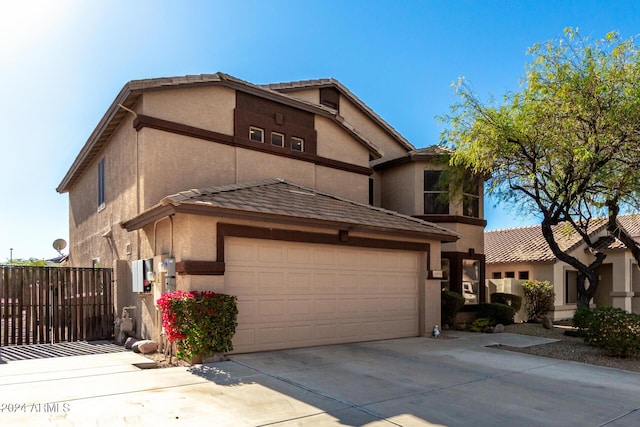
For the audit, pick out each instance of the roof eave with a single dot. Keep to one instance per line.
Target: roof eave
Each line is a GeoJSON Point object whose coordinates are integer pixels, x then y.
{"type": "Point", "coordinates": [164, 210]}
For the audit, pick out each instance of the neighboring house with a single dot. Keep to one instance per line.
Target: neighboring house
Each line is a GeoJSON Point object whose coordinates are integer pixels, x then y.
{"type": "Point", "coordinates": [517, 254]}
{"type": "Point", "coordinates": [278, 194]}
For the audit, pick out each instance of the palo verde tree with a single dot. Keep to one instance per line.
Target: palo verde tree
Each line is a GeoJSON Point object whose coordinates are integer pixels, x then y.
{"type": "Point", "coordinates": [566, 146]}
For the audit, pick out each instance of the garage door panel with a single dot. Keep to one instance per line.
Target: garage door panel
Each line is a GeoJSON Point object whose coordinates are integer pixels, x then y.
{"type": "Point", "coordinates": [299, 256]}
{"type": "Point", "coordinates": [295, 294]}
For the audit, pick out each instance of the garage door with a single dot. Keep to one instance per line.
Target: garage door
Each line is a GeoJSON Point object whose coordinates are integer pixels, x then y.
{"type": "Point", "coordinates": [297, 295]}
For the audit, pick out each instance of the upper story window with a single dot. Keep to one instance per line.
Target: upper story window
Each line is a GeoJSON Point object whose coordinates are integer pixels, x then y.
{"type": "Point", "coordinates": [277, 139]}
{"type": "Point", "coordinates": [256, 134]}
{"type": "Point", "coordinates": [471, 198]}
{"type": "Point", "coordinates": [101, 185]}
{"type": "Point", "coordinates": [434, 194]}
{"type": "Point", "coordinates": [297, 144]}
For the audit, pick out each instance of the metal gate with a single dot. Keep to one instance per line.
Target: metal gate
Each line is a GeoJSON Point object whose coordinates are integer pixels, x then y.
{"type": "Point", "coordinates": [54, 304]}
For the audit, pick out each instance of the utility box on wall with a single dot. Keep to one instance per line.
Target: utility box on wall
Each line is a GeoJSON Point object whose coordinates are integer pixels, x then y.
{"type": "Point", "coordinates": [142, 275]}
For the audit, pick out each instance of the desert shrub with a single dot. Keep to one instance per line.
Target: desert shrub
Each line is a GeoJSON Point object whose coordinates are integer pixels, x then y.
{"type": "Point", "coordinates": [200, 323]}
{"type": "Point", "coordinates": [451, 303]}
{"type": "Point", "coordinates": [613, 330]}
{"type": "Point", "coordinates": [582, 318]}
{"type": "Point", "coordinates": [511, 300]}
{"type": "Point", "coordinates": [480, 324]}
{"type": "Point", "coordinates": [539, 298]}
{"type": "Point", "coordinates": [496, 313]}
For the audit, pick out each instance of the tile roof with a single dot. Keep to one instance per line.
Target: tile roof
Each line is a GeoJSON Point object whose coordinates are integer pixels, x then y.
{"type": "Point", "coordinates": [424, 154]}
{"type": "Point", "coordinates": [526, 244]}
{"type": "Point", "coordinates": [277, 198]}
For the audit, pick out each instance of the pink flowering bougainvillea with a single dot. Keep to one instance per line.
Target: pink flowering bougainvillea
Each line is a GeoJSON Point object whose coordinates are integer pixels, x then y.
{"type": "Point", "coordinates": [199, 323]}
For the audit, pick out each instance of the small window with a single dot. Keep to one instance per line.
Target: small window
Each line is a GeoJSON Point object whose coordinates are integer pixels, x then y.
{"type": "Point", "coordinates": [101, 185]}
{"type": "Point", "coordinates": [523, 275]}
{"type": "Point", "coordinates": [297, 144]}
{"type": "Point", "coordinates": [510, 275]}
{"type": "Point", "coordinates": [256, 134]}
{"type": "Point", "coordinates": [95, 263]}
{"type": "Point", "coordinates": [371, 191]}
{"type": "Point", "coordinates": [433, 193]}
{"type": "Point", "coordinates": [497, 275]}
{"type": "Point", "coordinates": [277, 139]}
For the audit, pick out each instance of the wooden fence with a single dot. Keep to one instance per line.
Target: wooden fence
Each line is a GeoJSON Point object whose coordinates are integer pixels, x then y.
{"type": "Point", "coordinates": [54, 304]}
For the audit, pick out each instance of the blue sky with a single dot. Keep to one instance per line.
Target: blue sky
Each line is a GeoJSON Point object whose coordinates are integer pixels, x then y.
{"type": "Point", "coordinates": [63, 62]}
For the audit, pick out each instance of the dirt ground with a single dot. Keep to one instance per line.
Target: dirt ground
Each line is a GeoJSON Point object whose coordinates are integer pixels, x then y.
{"type": "Point", "coordinates": [568, 348]}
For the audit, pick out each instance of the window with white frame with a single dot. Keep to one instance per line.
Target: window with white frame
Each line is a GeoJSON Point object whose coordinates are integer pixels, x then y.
{"type": "Point", "coordinates": [297, 144]}
{"type": "Point", "coordinates": [256, 134]}
{"type": "Point", "coordinates": [277, 139]}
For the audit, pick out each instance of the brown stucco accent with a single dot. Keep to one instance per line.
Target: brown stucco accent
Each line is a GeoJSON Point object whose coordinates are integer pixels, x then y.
{"type": "Point", "coordinates": [196, 268]}
{"type": "Point", "coordinates": [143, 121]}
{"type": "Point", "coordinates": [273, 117]}
{"type": "Point", "coordinates": [341, 238]}
{"type": "Point", "coordinates": [453, 219]}
{"type": "Point", "coordinates": [330, 97]}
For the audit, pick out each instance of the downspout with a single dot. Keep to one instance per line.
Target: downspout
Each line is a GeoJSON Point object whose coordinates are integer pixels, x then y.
{"type": "Point", "coordinates": [137, 161]}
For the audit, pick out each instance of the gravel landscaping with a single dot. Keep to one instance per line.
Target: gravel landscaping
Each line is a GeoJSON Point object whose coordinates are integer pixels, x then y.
{"type": "Point", "coordinates": [568, 348]}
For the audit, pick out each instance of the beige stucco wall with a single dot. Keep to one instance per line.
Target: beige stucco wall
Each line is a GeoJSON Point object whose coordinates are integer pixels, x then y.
{"type": "Point", "coordinates": [312, 95]}
{"type": "Point", "coordinates": [208, 107]}
{"type": "Point", "coordinates": [87, 224]}
{"type": "Point", "coordinates": [537, 271]}
{"type": "Point", "coordinates": [372, 131]}
{"type": "Point", "coordinates": [336, 143]}
{"type": "Point", "coordinates": [472, 238]}
{"type": "Point", "coordinates": [399, 188]}
{"type": "Point", "coordinates": [171, 163]}
{"type": "Point", "coordinates": [193, 237]}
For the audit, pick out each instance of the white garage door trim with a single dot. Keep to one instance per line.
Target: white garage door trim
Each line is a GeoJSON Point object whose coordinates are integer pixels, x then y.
{"type": "Point", "coordinates": [293, 294]}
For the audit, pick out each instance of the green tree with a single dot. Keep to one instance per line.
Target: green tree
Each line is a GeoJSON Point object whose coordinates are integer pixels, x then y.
{"type": "Point", "coordinates": [31, 262]}
{"type": "Point", "coordinates": [566, 146]}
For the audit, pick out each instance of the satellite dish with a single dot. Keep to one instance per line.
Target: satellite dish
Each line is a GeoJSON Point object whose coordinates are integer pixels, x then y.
{"type": "Point", "coordinates": [59, 245]}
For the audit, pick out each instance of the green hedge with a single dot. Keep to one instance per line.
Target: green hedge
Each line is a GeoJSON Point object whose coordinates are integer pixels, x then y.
{"type": "Point", "coordinates": [511, 300]}
{"type": "Point", "coordinates": [451, 303]}
{"type": "Point", "coordinates": [496, 313]}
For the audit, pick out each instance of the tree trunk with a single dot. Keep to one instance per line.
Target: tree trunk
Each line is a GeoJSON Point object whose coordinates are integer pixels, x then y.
{"type": "Point", "coordinates": [585, 295]}
{"type": "Point", "coordinates": [585, 272]}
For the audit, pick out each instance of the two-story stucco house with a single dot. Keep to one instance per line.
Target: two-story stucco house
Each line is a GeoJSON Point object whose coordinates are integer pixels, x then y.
{"type": "Point", "coordinates": [295, 197]}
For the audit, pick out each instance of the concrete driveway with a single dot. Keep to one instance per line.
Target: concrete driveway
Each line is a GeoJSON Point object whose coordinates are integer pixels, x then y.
{"type": "Point", "coordinates": [406, 382]}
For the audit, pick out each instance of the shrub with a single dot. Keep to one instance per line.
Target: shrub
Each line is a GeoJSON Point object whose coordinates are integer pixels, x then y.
{"type": "Point", "coordinates": [511, 300]}
{"type": "Point", "coordinates": [539, 298]}
{"type": "Point", "coordinates": [451, 303]}
{"type": "Point", "coordinates": [582, 319]}
{"type": "Point", "coordinates": [200, 323]}
{"type": "Point", "coordinates": [496, 313]}
{"type": "Point", "coordinates": [480, 324]}
{"type": "Point", "coordinates": [613, 330]}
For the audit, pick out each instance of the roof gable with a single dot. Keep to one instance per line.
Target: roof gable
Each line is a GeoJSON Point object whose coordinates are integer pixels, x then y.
{"type": "Point", "coordinates": [125, 102]}
{"type": "Point", "coordinates": [291, 87]}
